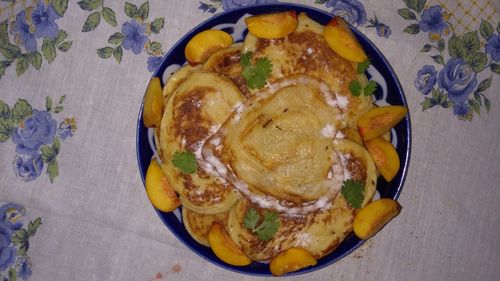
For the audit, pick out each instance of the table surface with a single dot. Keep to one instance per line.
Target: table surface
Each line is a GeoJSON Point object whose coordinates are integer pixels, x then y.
{"type": "Point", "coordinates": [72, 77]}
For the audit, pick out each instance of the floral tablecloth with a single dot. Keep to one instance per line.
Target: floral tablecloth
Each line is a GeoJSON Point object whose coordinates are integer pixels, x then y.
{"type": "Point", "coordinates": [72, 77]}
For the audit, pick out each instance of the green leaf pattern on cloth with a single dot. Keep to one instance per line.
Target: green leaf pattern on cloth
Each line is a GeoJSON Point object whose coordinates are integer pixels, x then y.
{"type": "Point", "coordinates": [134, 35]}
{"type": "Point", "coordinates": [22, 47]}
{"type": "Point", "coordinates": [37, 136]}
{"type": "Point", "coordinates": [15, 237]}
{"type": "Point", "coordinates": [464, 64]}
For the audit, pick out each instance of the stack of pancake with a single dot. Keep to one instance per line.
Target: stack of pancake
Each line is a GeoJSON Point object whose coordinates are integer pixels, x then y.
{"type": "Point", "coordinates": [286, 147]}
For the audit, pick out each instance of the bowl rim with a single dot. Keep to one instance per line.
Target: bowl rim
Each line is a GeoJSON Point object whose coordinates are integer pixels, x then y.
{"type": "Point", "coordinates": [274, 7]}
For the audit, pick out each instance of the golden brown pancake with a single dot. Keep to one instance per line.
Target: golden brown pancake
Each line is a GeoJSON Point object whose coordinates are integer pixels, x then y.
{"type": "Point", "coordinates": [198, 225]}
{"type": "Point", "coordinates": [319, 232]}
{"type": "Point", "coordinates": [227, 62]}
{"type": "Point", "coordinates": [306, 51]}
{"type": "Point", "coordinates": [276, 148]}
{"type": "Point", "coordinates": [196, 110]}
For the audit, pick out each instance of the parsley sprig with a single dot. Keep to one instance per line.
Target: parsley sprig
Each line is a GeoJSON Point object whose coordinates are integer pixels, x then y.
{"type": "Point", "coordinates": [356, 88]}
{"type": "Point", "coordinates": [255, 75]}
{"type": "Point", "coordinates": [353, 192]}
{"type": "Point", "coordinates": [267, 228]}
{"type": "Point", "coordinates": [185, 161]}
{"type": "Point", "coordinates": [363, 66]}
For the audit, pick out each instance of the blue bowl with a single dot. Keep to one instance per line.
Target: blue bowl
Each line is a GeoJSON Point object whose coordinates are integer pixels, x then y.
{"type": "Point", "coordinates": [388, 92]}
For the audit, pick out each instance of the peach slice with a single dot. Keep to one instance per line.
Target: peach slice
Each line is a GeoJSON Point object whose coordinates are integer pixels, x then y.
{"type": "Point", "coordinates": [225, 248]}
{"type": "Point", "coordinates": [273, 25]}
{"type": "Point", "coordinates": [291, 260]}
{"type": "Point", "coordinates": [385, 157]}
{"type": "Point", "coordinates": [161, 195]}
{"type": "Point", "coordinates": [153, 104]}
{"type": "Point", "coordinates": [205, 43]}
{"type": "Point", "coordinates": [372, 217]}
{"type": "Point", "coordinates": [379, 120]}
{"type": "Point", "coordinates": [342, 40]}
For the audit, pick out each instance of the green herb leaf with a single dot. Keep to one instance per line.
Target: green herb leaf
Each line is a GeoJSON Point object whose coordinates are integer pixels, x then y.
{"type": "Point", "coordinates": [255, 75]}
{"type": "Point", "coordinates": [185, 161]}
{"type": "Point", "coordinates": [355, 88]}
{"type": "Point", "coordinates": [456, 47]}
{"type": "Point", "coordinates": [353, 192]}
{"type": "Point", "coordinates": [362, 67]}
{"type": "Point", "coordinates": [251, 219]}
{"type": "Point", "coordinates": [267, 228]}
{"type": "Point", "coordinates": [370, 88]}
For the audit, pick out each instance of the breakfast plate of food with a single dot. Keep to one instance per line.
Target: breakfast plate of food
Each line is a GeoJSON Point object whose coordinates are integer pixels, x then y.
{"type": "Point", "coordinates": [274, 139]}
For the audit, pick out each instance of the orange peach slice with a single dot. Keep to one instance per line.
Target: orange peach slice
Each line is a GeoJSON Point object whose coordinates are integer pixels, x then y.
{"type": "Point", "coordinates": [225, 248]}
{"type": "Point", "coordinates": [342, 40]}
{"type": "Point", "coordinates": [205, 43]}
{"type": "Point", "coordinates": [272, 26]}
{"type": "Point", "coordinates": [291, 260]}
{"type": "Point", "coordinates": [161, 195]}
{"type": "Point", "coordinates": [379, 120]}
{"type": "Point", "coordinates": [153, 104]}
{"type": "Point", "coordinates": [372, 217]}
{"type": "Point", "coordinates": [385, 157]}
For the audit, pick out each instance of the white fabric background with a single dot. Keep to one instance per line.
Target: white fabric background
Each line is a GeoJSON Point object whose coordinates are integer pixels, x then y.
{"type": "Point", "coordinates": [99, 225]}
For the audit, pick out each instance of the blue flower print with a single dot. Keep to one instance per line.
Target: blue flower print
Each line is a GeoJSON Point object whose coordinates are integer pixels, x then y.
{"type": "Point", "coordinates": [232, 4]}
{"type": "Point", "coordinates": [154, 63]}
{"type": "Point", "coordinates": [134, 36]}
{"type": "Point", "coordinates": [24, 265]}
{"type": "Point", "coordinates": [44, 18]}
{"type": "Point", "coordinates": [426, 79]}
{"type": "Point", "coordinates": [493, 47]}
{"type": "Point", "coordinates": [351, 10]}
{"type": "Point", "coordinates": [12, 215]}
{"type": "Point", "coordinates": [461, 109]}
{"type": "Point", "coordinates": [434, 22]}
{"type": "Point", "coordinates": [8, 252]}
{"type": "Point", "coordinates": [34, 131]}
{"type": "Point", "coordinates": [28, 167]}
{"type": "Point", "coordinates": [458, 78]}
{"type": "Point", "coordinates": [67, 128]}
{"type": "Point", "coordinates": [23, 33]}
{"type": "Point", "coordinates": [383, 30]}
